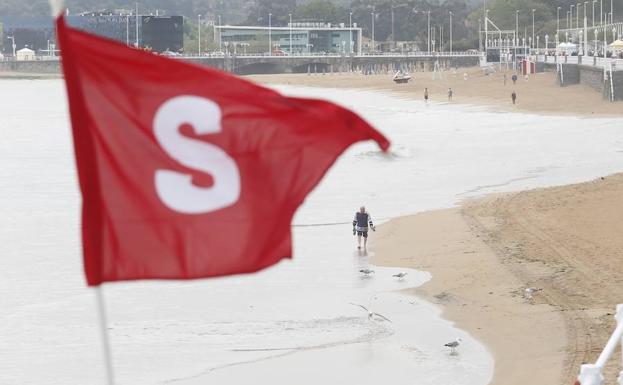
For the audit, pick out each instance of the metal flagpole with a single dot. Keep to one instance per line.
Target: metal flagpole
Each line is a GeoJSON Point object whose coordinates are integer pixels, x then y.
{"type": "Point", "coordinates": [104, 334]}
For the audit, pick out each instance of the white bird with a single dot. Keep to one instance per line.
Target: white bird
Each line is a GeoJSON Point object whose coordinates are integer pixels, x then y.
{"type": "Point", "coordinates": [366, 272]}
{"type": "Point", "coordinates": [400, 275]}
{"type": "Point", "coordinates": [453, 345]}
{"type": "Point", "coordinates": [371, 314]}
{"type": "Point", "coordinates": [527, 293]}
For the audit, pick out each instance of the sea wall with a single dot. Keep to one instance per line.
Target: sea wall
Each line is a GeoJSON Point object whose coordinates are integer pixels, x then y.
{"type": "Point", "coordinates": [245, 65]}
{"type": "Point", "coordinates": [591, 76]}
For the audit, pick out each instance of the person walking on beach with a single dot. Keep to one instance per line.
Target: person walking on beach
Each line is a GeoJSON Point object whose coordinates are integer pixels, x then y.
{"type": "Point", "coordinates": [514, 78]}
{"type": "Point", "coordinates": [361, 223]}
{"type": "Point", "coordinates": [514, 96]}
{"type": "Point", "coordinates": [426, 95]}
{"type": "Point", "coordinates": [450, 94]}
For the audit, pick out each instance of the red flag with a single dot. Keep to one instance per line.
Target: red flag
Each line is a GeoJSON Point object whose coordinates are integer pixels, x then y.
{"type": "Point", "coordinates": [188, 172]}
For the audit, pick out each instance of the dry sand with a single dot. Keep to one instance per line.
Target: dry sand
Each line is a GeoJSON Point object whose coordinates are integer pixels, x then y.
{"type": "Point", "coordinates": [565, 240]}
{"type": "Point", "coordinates": [538, 94]}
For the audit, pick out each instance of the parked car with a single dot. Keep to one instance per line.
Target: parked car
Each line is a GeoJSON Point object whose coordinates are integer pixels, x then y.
{"type": "Point", "coordinates": [279, 52]}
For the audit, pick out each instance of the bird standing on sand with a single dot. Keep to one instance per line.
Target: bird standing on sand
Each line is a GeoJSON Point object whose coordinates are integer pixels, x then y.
{"type": "Point", "coordinates": [400, 275]}
{"type": "Point", "coordinates": [527, 293]}
{"type": "Point", "coordinates": [366, 272]}
{"type": "Point", "coordinates": [371, 314]}
{"type": "Point", "coordinates": [453, 345]}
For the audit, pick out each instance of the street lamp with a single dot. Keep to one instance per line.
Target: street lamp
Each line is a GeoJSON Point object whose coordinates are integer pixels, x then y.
{"type": "Point", "coordinates": [220, 40]}
{"type": "Point", "coordinates": [372, 13]}
{"type": "Point", "coordinates": [593, 13]}
{"type": "Point", "coordinates": [533, 24]}
{"type": "Point", "coordinates": [557, 20]}
{"type": "Point", "coordinates": [450, 31]}
{"type": "Point", "coordinates": [517, 27]}
{"type": "Point", "coordinates": [199, 34]}
{"type": "Point", "coordinates": [577, 15]}
{"type": "Point", "coordinates": [350, 30]}
{"type": "Point", "coordinates": [571, 17]}
{"type": "Point", "coordinates": [270, 41]}
{"type": "Point", "coordinates": [289, 14]}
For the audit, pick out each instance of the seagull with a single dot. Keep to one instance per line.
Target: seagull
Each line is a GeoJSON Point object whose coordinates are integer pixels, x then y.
{"type": "Point", "coordinates": [400, 275]}
{"type": "Point", "coordinates": [453, 345]}
{"type": "Point", "coordinates": [527, 293]}
{"type": "Point", "coordinates": [366, 272]}
{"type": "Point", "coordinates": [372, 314]}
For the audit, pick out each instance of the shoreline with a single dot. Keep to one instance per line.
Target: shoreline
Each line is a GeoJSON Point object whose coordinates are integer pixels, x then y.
{"type": "Point", "coordinates": [475, 291]}
{"type": "Point", "coordinates": [484, 254]}
{"type": "Point", "coordinates": [539, 94]}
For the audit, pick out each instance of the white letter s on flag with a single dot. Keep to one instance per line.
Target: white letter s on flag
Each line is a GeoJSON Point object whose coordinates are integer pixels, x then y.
{"type": "Point", "coordinates": [176, 189]}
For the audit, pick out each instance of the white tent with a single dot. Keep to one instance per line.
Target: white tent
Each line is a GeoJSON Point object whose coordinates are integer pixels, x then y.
{"type": "Point", "coordinates": [567, 48]}
{"type": "Point", "coordinates": [616, 46]}
{"type": "Point", "coordinates": [25, 54]}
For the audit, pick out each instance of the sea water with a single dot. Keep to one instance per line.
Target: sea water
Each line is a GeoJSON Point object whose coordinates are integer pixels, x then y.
{"type": "Point", "coordinates": [292, 323]}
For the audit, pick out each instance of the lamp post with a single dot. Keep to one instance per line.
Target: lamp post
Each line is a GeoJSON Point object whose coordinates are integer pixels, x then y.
{"type": "Point", "coordinates": [290, 24]}
{"type": "Point", "coordinates": [577, 15]}
{"type": "Point", "coordinates": [533, 24]}
{"type": "Point", "coordinates": [546, 43]}
{"type": "Point", "coordinates": [136, 19]}
{"type": "Point", "coordinates": [517, 27]}
{"type": "Point", "coordinates": [557, 20]}
{"type": "Point", "coordinates": [593, 13]}
{"type": "Point", "coordinates": [428, 26]}
{"type": "Point", "coordinates": [270, 39]}
{"type": "Point", "coordinates": [571, 17]}
{"type": "Point", "coordinates": [596, 35]}
{"type": "Point", "coordinates": [199, 34]}
{"type": "Point", "coordinates": [486, 30]}
{"type": "Point", "coordinates": [350, 30]}
{"type": "Point", "coordinates": [450, 31]}
{"type": "Point", "coordinates": [220, 40]}
{"type": "Point", "coordinates": [372, 14]}
{"type": "Point", "coordinates": [611, 11]}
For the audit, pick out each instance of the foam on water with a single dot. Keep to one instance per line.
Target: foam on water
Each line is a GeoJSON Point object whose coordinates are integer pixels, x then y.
{"type": "Point", "coordinates": [295, 318]}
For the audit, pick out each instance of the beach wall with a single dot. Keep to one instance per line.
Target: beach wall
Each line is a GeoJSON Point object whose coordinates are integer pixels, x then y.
{"type": "Point", "coordinates": [278, 64]}
{"type": "Point", "coordinates": [34, 66]}
{"type": "Point", "coordinates": [591, 76]}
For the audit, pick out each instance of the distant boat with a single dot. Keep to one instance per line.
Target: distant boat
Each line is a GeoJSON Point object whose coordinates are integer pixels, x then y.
{"type": "Point", "coordinates": [401, 77]}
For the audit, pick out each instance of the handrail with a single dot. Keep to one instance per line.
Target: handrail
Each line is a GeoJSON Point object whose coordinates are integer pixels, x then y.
{"type": "Point", "coordinates": [592, 374]}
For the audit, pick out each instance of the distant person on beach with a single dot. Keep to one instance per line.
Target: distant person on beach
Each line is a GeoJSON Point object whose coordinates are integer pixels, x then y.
{"type": "Point", "coordinates": [514, 96]}
{"type": "Point", "coordinates": [450, 94]}
{"type": "Point", "coordinates": [361, 223]}
{"type": "Point", "coordinates": [514, 78]}
{"type": "Point", "coordinates": [426, 95]}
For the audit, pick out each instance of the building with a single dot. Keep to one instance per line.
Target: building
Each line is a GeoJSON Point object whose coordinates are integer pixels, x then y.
{"type": "Point", "coordinates": [158, 33]}
{"type": "Point", "coordinates": [295, 39]}
{"type": "Point", "coordinates": [31, 32]}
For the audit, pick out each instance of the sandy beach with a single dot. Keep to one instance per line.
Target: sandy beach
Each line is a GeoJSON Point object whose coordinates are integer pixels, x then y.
{"type": "Point", "coordinates": [539, 94]}
{"type": "Point", "coordinates": [563, 240]}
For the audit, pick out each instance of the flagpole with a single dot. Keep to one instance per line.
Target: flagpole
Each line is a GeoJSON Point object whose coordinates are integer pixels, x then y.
{"type": "Point", "coordinates": [104, 334]}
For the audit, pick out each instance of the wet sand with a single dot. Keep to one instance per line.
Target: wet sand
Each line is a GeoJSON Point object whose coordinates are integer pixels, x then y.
{"type": "Point", "coordinates": [539, 94]}
{"type": "Point", "coordinates": [563, 240]}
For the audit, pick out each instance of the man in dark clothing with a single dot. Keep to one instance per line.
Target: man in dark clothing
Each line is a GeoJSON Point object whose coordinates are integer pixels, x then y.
{"type": "Point", "coordinates": [360, 226]}
{"type": "Point", "coordinates": [514, 96]}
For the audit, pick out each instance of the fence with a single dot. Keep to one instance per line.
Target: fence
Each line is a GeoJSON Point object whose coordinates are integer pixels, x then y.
{"type": "Point", "coordinates": [594, 61]}
{"type": "Point", "coordinates": [592, 374]}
